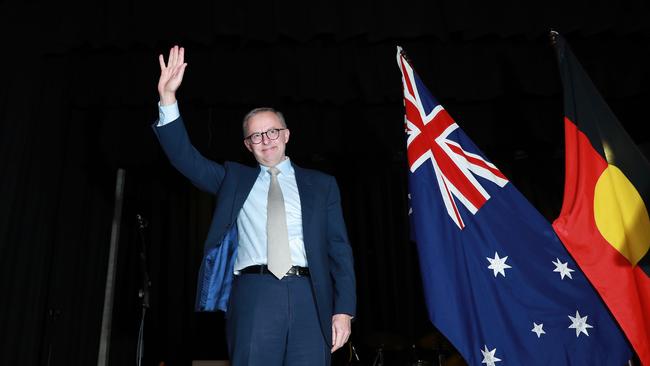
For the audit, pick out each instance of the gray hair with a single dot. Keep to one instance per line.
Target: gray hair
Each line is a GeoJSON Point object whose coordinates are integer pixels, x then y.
{"type": "Point", "coordinates": [255, 111]}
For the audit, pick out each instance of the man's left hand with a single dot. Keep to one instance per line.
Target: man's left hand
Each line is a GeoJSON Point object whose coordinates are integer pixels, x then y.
{"type": "Point", "coordinates": [341, 329]}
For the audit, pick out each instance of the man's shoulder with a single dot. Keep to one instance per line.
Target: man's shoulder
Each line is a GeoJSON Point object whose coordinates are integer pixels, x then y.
{"type": "Point", "coordinates": [313, 174]}
{"type": "Point", "coordinates": [236, 173]}
{"type": "Point", "coordinates": [235, 166]}
{"type": "Point", "coordinates": [309, 171]}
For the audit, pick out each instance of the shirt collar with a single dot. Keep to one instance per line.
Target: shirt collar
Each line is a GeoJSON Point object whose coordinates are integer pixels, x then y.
{"type": "Point", "coordinates": [284, 167]}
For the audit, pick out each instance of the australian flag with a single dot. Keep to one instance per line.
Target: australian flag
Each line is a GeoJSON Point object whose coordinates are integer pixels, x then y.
{"type": "Point", "coordinates": [497, 281]}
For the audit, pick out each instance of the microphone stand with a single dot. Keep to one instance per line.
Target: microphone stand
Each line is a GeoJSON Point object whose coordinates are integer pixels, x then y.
{"type": "Point", "coordinates": [353, 355]}
{"type": "Point", "coordinates": [379, 358]}
{"type": "Point", "coordinates": [143, 294]}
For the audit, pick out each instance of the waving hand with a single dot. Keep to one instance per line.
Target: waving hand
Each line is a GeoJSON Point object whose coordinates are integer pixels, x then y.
{"type": "Point", "coordinates": [171, 74]}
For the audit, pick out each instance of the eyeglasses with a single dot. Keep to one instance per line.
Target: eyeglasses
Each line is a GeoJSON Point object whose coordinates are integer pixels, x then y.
{"type": "Point", "coordinates": [271, 134]}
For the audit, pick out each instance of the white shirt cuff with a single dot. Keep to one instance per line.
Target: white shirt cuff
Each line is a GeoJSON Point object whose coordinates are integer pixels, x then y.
{"type": "Point", "coordinates": [167, 113]}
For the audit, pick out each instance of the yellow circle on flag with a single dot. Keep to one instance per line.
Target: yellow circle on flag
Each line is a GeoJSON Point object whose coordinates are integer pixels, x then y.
{"type": "Point", "coordinates": [621, 215]}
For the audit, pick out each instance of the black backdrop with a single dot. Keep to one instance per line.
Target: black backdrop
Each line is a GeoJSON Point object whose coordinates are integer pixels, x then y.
{"type": "Point", "coordinates": [77, 97]}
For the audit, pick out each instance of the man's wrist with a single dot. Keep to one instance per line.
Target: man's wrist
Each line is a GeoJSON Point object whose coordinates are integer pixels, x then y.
{"type": "Point", "coordinates": [167, 99]}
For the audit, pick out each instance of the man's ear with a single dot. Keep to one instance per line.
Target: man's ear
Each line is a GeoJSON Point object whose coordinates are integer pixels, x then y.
{"type": "Point", "coordinates": [247, 143]}
{"type": "Point", "coordinates": [286, 135]}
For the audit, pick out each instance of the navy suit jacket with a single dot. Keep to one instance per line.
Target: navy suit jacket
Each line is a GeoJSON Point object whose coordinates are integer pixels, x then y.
{"type": "Point", "coordinates": [329, 255]}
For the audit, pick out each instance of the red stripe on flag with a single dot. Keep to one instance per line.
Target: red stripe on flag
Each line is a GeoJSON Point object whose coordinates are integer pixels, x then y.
{"type": "Point", "coordinates": [478, 162]}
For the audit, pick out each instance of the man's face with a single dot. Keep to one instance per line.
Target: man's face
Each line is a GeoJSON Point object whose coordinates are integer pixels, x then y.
{"type": "Point", "coordinates": [268, 152]}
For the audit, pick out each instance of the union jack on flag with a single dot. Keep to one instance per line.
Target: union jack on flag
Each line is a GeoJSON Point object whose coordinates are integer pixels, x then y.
{"type": "Point", "coordinates": [497, 281]}
{"type": "Point", "coordinates": [430, 139]}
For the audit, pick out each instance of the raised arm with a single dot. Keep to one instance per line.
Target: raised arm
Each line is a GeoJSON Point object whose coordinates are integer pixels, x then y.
{"type": "Point", "coordinates": [204, 173]}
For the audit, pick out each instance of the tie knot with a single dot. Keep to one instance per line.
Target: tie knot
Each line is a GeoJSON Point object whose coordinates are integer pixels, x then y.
{"type": "Point", "coordinates": [274, 171]}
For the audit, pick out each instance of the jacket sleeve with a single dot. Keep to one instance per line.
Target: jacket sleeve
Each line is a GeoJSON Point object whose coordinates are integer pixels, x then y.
{"type": "Point", "coordinates": [202, 172]}
{"type": "Point", "coordinates": [340, 255]}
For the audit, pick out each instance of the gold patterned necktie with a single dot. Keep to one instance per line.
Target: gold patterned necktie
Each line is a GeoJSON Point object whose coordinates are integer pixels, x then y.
{"type": "Point", "coordinates": [277, 250]}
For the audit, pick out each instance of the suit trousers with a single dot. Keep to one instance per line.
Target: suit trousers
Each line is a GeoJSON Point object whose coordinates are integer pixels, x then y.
{"type": "Point", "coordinates": [273, 322]}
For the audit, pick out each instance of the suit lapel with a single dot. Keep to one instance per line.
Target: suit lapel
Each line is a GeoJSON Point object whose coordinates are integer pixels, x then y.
{"type": "Point", "coordinates": [303, 181]}
{"type": "Point", "coordinates": [246, 182]}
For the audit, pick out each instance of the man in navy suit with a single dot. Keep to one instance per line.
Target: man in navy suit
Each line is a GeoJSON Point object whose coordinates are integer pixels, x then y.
{"type": "Point", "coordinates": [273, 317]}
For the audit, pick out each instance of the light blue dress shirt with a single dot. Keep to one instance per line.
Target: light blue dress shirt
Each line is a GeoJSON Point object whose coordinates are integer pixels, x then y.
{"type": "Point", "coordinates": [251, 222]}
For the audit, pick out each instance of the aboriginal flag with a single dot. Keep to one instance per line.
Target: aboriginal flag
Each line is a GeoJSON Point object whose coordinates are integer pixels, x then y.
{"type": "Point", "coordinates": [604, 221]}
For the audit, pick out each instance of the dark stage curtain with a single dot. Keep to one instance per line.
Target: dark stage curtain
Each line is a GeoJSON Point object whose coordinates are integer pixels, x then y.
{"type": "Point", "coordinates": [77, 98]}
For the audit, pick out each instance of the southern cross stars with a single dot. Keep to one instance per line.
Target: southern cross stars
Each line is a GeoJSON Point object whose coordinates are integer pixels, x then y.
{"type": "Point", "coordinates": [563, 268]}
{"type": "Point", "coordinates": [498, 265]}
{"type": "Point", "coordinates": [538, 329]}
{"type": "Point", "coordinates": [579, 324]}
{"type": "Point", "coordinates": [488, 356]}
